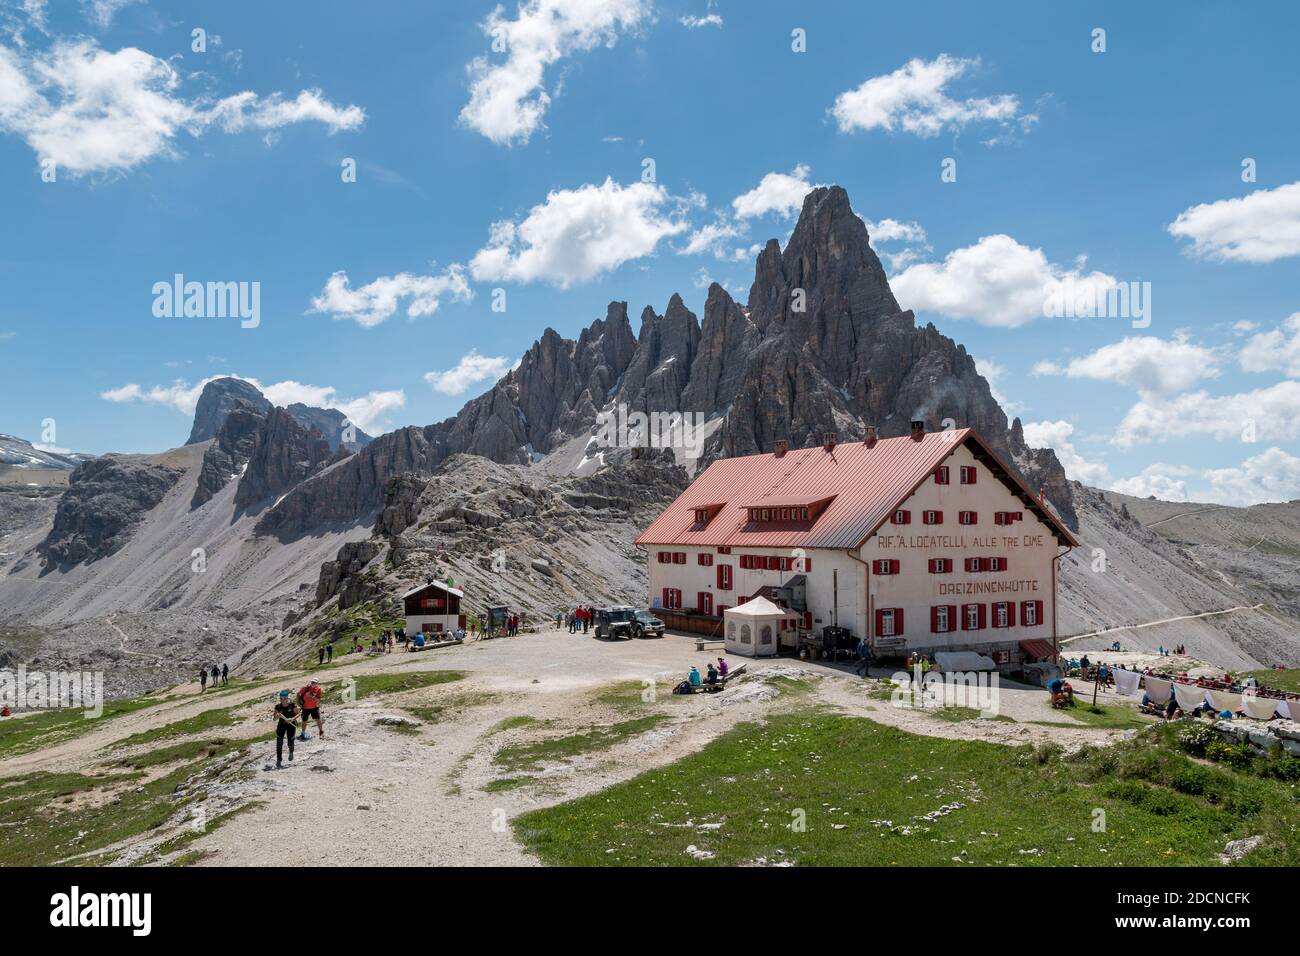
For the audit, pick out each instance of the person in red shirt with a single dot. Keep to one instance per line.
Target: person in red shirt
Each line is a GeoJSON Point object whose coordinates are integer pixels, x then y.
{"type": "Point", "coordinates": [309, 699]}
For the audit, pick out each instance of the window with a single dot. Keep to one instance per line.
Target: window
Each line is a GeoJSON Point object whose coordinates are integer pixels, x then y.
{"type": "Point", "coordinates": [902, 517]}
{"type": "Point", "coordinates": [767, 514]}
{"type": "Point", "coordinates": [932, 517]}
{"type": "Point", "coordinates": [672, 598]}
{"type": "Point", "coordinates": [889, 622]}
{"type": "Point", "coordinates": [724, 577]}
{"type": "Point", "coordinates": [731, 630]}
{"type": "Point", "coordinates": [803, 514]}
{"type": "Point", "coordinates": [665, 557]}
{"type": "Point", "coordinates": [701, 516]}
{"type": "Point", "coordinates": [785, 514]}
{"type": "Point", "coordinates": [968, 474]}
{"type": "Point", "coordinates": [765, 635]}
{"type": "Point", "coordinates": [1004, 614]}
{"type": "Point", "coordinates": [1031, 613]}
{"type": "Point", "coordinates": [679, 557]}
{"type": "Point", "coordinates": [1008, 517]}
{"type": "Point", "coordinates": [704, 602]}
{"type": "Point", "coordinates": [744, 634]}
{"type": "Point", "coordinates": [885, 566]}
{"type": "Point", "coordinates": [941, 475]}
{"type": "Point", "coordinates": [722, 549]}
{"type": "Point", "coordinates": [974, 564]}
{"type": "Point", "coordinates": [704, 559]}
{"type": "Point", "coordinates": [995, 564]}
{"type": "Point", "coordinates": [940, 565]}
{"type": "Point", "coordinates": [967, 517]}
{"type": "Point", "coordinates": [943, 618]}
{"type": "Point", "coordinates": [973, 617]}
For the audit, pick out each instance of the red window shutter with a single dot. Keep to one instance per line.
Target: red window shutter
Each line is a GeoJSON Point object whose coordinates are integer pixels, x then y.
{"type": "Point", "coordinates": [932, 563]}
{"type": "Point", "coordinates": [894, 566]}
{"type": "Point", "coordinates": [1020, 516]}
{"type": "Point", "coordinates": [1038, 607]}
{"type": "Point", "coordinates": [773, 563]}
{"type": "Point", "coordinates": [880, 620]}
{"type": "Point", "coordinates": [807, 564]}
{"type": "Point", "coordinates": [941, 475]}
{"type": "Point", "coordinates": [938, 517]}
{"type": "Point", "coordinates": [1011, 614]}
{"type": "Point", "coordinates": [666, 604]}
{"type": "Point", "coordinates": [898, 622]}
{"type": "Point", "coordinates": [934, 620]}
{"type": "Point", "coordinates": [984, 616]}
{"type": "Point", "coordinates": [973, 474]}
{"type": "Point", "coordinates": [719, 581]}
{"type": "Point", "coordinates": [952, 617]}
{"type": "Point", "coordinates": [907, 517]}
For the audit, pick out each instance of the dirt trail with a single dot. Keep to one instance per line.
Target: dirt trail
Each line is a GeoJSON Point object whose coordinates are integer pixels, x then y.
{"type": "Point", "coordinates": [370, 795]}
{"type": "Point", "coordinates": [1167, 620]}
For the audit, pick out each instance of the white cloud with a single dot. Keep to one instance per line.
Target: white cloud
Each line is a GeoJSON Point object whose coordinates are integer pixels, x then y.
{"type": "Point", "coordinates": [780, 193]}
{"type": "Point", "coordinates": [379, 300]}
{"type": "Point", "coordinates": [469, 371]}
{"type": "Point", "coordinates": [694, 23]}
{"type": "Point", "coordinates": [90, 110]}
{"type": "Point", "coordinates": [891, 230]}
{"type": "Point", "coordinates": [1142, 362]}
{"type": "Point", "coordinates": [913, 99]}
{"type": "Point", "coordinates": [1272, 475]}
{"type": "Point", "coordinates": [1277, 350]}
{"type": "Point", "coordinates": [1265, 414]}
{"type": "Point", "coordinates": [366, 412]}
{"type": "Point", "coordinates": [507, 99]}
{"type": "Point", "coordinates": [579, 234]}
{"type": "Point", "coordinates": [1058, 436]}
{"type": "Point", "coordinates": [101, 12]}
{"type": "Point", "coordinates": [1260, 227]}
{"type": "Point", "coordinates": [711, 238]}
{"type": "Point", "coordinates": [996, 282]}
{"type": "Point", "coordinates": [1158, 480]}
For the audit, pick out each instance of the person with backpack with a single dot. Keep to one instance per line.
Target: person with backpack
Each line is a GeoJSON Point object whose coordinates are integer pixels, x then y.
{"type": "Point", "coordinates": [225, 674]}
{"type": "Point", "coordinates": [203, 679]}
{"type": "Point", "coordinates": [309, 697]}
{"type": "Point", "coordinates": [286, 712]}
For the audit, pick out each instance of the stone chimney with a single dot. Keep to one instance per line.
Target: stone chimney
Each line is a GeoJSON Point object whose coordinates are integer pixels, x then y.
{"type": "Point", "coordinates": [918, 430]}
{"type": "Point", "coordinates": [828, 440]}
{"type": "Point", "coordinates": [780, 447]}
{"type": "Point", "coordinates": [870, 438]}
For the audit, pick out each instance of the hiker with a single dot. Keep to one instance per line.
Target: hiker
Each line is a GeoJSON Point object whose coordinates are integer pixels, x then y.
{"type": "Point", "coordinates": [694, 677]}
{"type": "Point", "coordinates": [329, 652]}
{"type": "Point", "coordinates": [864, 657]}
{"type": "Point", "coordinates": [286, 711]}
{"type": "Point", "coordinates": [310, 697]}
{"type": "Point", "coordinates": [723, 669]}
{"type": "Point", "coordinates": [320, 658]}
{"type": "Point", "coordinates": [225, 674]}
{"type": "Point", "coordinates": [711, 675]}
{"type": "Point", "coordinates": [203, 679]}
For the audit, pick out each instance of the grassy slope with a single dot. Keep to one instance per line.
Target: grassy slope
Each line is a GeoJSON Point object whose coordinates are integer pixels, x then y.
{"type": "Point", "coordinates": [861, 787]}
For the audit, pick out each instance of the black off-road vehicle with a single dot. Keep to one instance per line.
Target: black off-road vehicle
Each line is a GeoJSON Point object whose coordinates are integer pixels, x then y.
{"type": "Point", "coordinates": [614, 622]}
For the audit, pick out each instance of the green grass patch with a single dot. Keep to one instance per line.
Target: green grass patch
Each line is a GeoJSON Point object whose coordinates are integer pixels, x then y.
{"type": "Point", "coordinates": [867, 795]}
{"type": "Point", "coordinates": [956, 714]}
{"type": "Point", "coordinates": [514, 723]}
{"type": "Point", "coordinates": [506, 783]}
{"type": "Point", "coordinates": [530, 756]}
{"type": "Point", "coordinates": [19, 735]}
{"type": "Point", "coordinates": [450, 706]}
{"type": "Point", "coordinates": [1287, 680]}
{"type": "Point", "coordinates": [200, 723]}
{"type": "Point", "coordinates": [1104, 716]}
{"type": "Point", "coordinates": [370, 685]}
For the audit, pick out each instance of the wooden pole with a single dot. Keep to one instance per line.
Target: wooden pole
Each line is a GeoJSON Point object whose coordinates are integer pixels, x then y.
{"type": "Point", "coordinates": [1096, 682]}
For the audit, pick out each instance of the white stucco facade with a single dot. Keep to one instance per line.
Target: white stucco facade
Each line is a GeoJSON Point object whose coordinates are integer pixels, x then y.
{"type": "Point", "coordinates": [1015, 586]}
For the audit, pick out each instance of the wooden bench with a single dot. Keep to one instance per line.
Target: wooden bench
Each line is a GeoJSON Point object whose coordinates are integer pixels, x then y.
{"type": "Point", "coordinates": [721, 682]}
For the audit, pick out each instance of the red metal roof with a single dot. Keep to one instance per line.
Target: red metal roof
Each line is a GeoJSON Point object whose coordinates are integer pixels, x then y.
{"type": "Point", "coordinates": [865, 483]}
{"type": "Point", "coordinates": [1038, 648]}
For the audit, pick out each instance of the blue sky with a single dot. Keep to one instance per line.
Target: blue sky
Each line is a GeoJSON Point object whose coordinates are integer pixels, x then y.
{"type": "Point", "coordinates": [522, 169]}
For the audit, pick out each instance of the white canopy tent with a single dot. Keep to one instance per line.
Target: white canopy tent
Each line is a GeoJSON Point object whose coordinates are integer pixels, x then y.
{"type": "Point", "coordinates": [753, 629]}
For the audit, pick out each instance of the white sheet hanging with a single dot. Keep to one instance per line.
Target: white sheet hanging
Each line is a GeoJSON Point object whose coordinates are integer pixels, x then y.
{"type": "Point", "coordinates": [1189, 696]}
{"type": "Point", "coordinates": [1225, 700]}
{"type": "Point", "coordinates": [1126, 682]}
{"type": "Point", "coordinates": [1261, 708]}
{"type": "Point", "coordinates": [1158, 690]}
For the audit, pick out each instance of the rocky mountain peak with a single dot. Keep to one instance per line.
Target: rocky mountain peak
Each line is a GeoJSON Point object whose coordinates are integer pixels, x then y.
{"type": "Point", "coordinates": [217, 400]}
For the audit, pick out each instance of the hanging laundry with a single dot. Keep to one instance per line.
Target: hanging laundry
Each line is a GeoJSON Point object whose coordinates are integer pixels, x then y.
{"type": "Point", "coordinates": [1284, 709]}
{"type": "Point", "coordinates": [1261, 708]}
{"type": "Point", "coordinates": [1224, 700]}
{"type": "Point", "coordinates": [1158, 690]}
{"type": "Point", "coordinates": [1126, 682]}
{"type": "Point", "coordinates": [1189, 696]}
